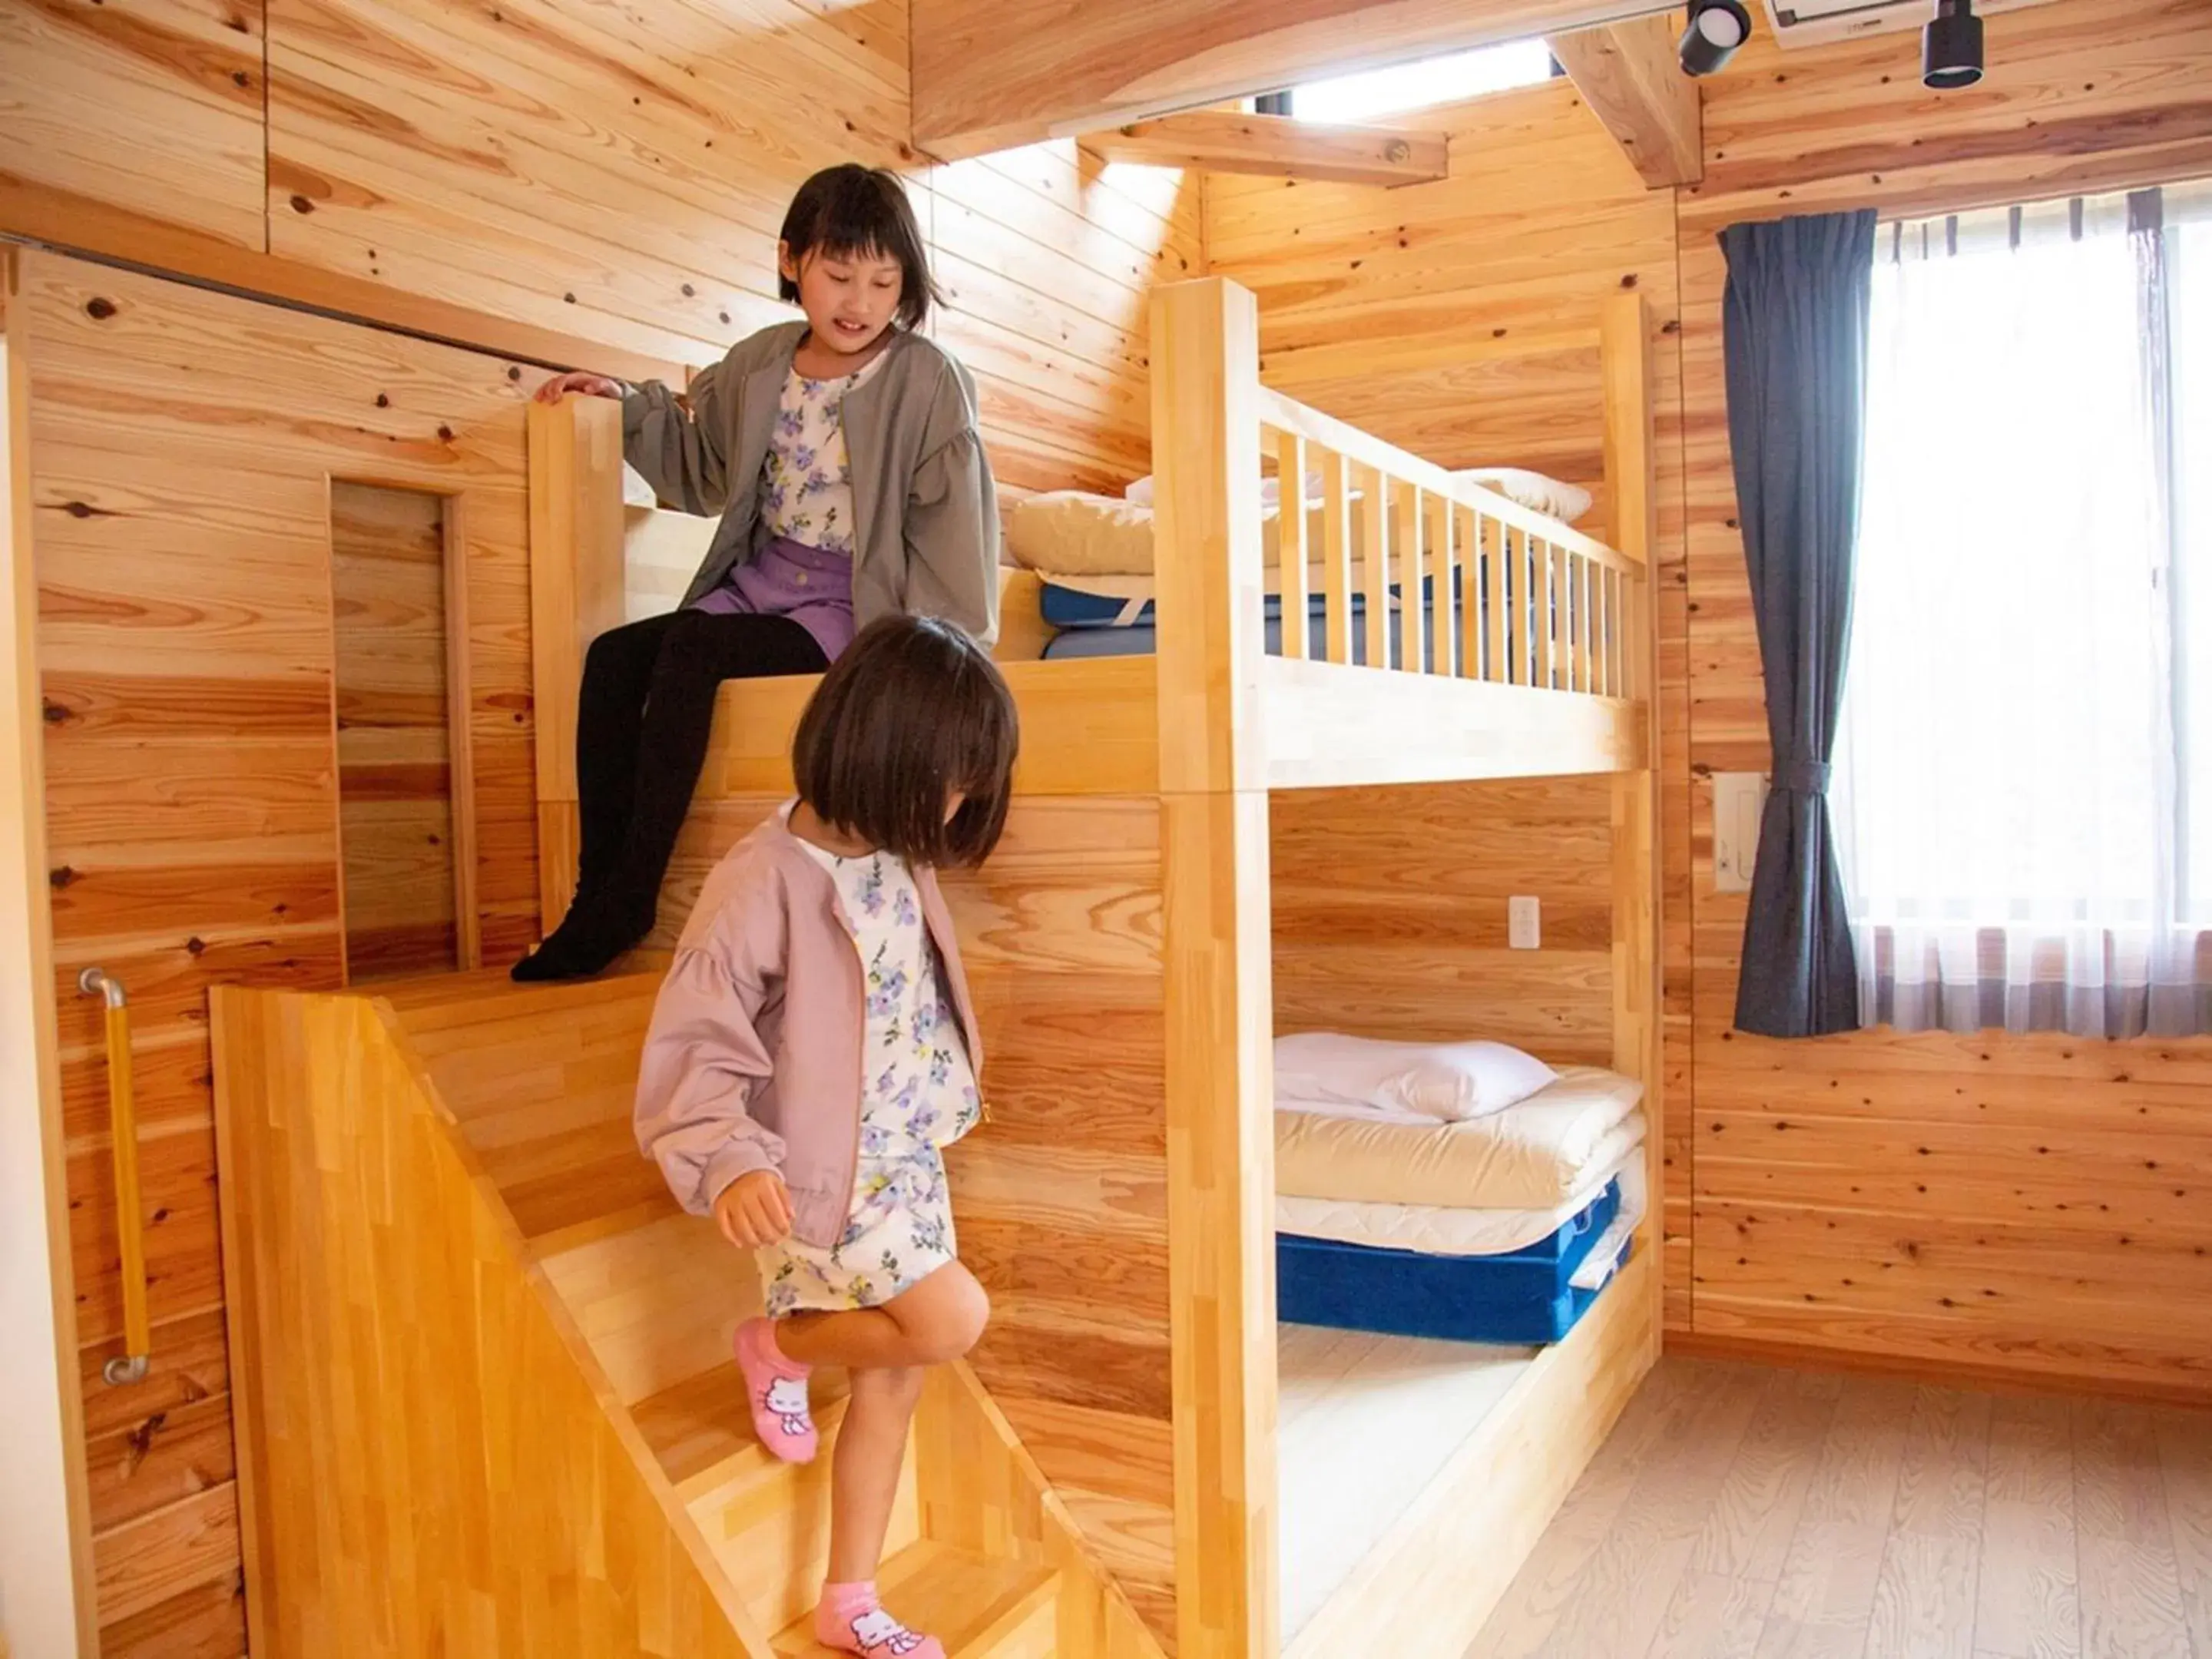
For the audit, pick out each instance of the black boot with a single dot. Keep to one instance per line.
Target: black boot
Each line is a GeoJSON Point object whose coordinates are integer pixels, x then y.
{"type": "Point", "coordinates": [593, 934]}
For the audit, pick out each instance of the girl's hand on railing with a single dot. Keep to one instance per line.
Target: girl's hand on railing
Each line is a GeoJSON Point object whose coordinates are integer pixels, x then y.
{"type": "Point", "coordinates": [576, 380]}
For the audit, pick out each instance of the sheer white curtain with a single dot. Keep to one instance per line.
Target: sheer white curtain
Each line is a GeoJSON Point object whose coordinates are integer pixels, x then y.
{"type": "Point", "coordinates": [2010, 787]}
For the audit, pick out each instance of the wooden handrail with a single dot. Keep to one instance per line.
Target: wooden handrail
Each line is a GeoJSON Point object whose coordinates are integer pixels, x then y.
{"type": "Point", "coordinates": [1363, 449]}
{"type": "Point", "coordinates": [137, 1356]}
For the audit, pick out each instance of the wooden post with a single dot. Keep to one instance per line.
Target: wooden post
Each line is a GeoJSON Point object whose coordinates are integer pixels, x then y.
{"type": "Point", "coordinates": [1625, 354]}
{"type": "Point", "coordinates": [1219, 1016]}
{"type": "Point", "coordinates": [46, 1526]}
{"type": "Point", "coordinates": [575, 595]}
{"type": "Point", "coordinates": [1625, 364]}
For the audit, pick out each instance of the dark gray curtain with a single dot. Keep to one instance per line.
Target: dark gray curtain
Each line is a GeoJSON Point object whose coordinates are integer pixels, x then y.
{"type": "Point", "coordinates": [1794, 327]}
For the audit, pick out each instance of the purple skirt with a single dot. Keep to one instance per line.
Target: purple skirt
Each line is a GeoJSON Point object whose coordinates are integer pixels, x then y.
{"type": "Point", "coordinates": [811, 585]}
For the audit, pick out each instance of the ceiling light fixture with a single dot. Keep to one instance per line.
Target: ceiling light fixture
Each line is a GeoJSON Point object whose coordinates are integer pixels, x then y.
{"type": "Point", "coordinates": [1951, 47]}
{"type": "Point", "coordinates": [1717, 28]}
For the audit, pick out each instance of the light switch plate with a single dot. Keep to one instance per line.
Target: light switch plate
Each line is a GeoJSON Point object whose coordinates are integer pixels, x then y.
{"type": "Point", "coordinates": [1524, 929]}
{"type": "Point", "coordinates": [1739, 804]}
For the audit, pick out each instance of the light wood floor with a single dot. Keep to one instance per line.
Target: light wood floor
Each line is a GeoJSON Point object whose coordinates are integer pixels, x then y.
{"type": "Point", "coordinates": [1743, 1513]}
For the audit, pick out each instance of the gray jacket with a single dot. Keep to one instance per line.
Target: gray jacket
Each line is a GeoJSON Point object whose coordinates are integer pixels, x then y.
{"type": "Point", "coordinates": [925, 513]}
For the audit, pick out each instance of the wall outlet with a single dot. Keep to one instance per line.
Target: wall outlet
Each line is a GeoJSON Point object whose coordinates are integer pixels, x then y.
{"type": "Point", "coordinates": [1524, 928]}
{"type": "Point", "coordinates": [1739, 804]}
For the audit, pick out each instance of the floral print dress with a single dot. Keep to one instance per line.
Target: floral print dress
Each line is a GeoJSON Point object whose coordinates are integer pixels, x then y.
{"type": "Point", "coordinates": [806, 482]}
{"type": "Point", "coordinates": [802, 568]}
{"type": "Point", "coordinates": [919, 1096]}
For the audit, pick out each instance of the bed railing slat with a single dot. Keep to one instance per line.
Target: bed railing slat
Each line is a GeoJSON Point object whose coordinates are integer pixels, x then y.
{"type": "Point", "coordinates": [1375, 558]}
{"type": "Point", "coordinates": [1291, 538]}
{"type": "Point", "coordinates": [1336, 554]}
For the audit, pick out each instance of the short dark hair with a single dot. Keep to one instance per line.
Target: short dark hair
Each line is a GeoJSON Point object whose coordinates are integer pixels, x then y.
{"type": "Point", "coordinates": [913, 710]}
{"type": "Point", "coordinates": [850, 211]}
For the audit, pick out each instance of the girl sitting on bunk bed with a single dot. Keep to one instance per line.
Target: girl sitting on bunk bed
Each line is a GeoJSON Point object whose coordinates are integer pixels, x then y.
{"type": "Point", "coordinates": [801, 1097]}
{"type": "Point", "coordinates": [842, 455]}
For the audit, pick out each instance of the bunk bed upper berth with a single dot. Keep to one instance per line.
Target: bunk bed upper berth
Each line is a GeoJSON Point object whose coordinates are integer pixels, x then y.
{"type": "Point", "coordinates": [1471, 637]}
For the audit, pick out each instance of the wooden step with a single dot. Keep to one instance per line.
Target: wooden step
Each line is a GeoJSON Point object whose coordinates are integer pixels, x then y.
{"type": "Point", "coordinates": [767, 1521]}
{"type": "Point", "coordinates": [979, 1608]}
{"type": "Point", "coordinates": [703, 1421]}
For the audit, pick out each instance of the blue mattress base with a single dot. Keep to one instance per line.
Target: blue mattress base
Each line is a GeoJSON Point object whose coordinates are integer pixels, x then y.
{"type": "Point", "coordinates": [1521, 1297]}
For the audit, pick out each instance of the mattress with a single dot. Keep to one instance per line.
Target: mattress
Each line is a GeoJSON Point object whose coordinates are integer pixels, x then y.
{"type": "Point", "coordinates": [1441, 1229]}
{"type": "Point", "coordinates": [1126, 601]}
{"type": "Point", "coordinates": [1533, 1156]}
{"type": "Point", "coordinates": [1145, 642]}
{"type": "Point", "coordinates": [1531, 1295]}
{"type": "Point", "coordinates": [1094, 622]}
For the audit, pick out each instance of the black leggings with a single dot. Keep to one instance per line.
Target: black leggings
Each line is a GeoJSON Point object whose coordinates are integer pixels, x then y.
{"type": "Point", "coordinates": [641, 725]}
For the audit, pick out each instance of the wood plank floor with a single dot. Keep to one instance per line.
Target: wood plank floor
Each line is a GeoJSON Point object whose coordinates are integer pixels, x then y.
{"type": "Point", "coordinates": [1744, 1513]}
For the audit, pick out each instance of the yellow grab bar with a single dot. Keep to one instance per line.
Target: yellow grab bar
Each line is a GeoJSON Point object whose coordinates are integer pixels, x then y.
{"type": "Point", "coordinates": [129, 1211]}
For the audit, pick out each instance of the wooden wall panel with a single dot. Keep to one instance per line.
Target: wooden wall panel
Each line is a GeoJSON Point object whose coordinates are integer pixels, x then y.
{"type": "Point", "coordinates": [2029, 1204]}
{"type": "Point", "coordinates": [1046, 255]}
{"type": "Point", "coordinates": [154, 106]}
{"type": "Point", "coordinates": [1458, 319]}
{"type": "Point", "coordinates": [1061, 1199]}
{"type": "Point", "coordinates": [1391, 913]}
{"type": "Point", "coordinates": [477, 151]}
{"type": "Point", "coordinates": [182, 446]}
{"type": "Point", "coordinates": [395, 777]}
{"type": "Point", "coordinates": [617, 178]}
{"type": "Point", "coordinates": [626, 184]}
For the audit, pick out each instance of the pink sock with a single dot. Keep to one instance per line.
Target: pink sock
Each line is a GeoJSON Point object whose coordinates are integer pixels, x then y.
{"type": "Point", "coordinates": [844, 1601]}
{"type": "Point", "coordinates": [780, 1362]}
{"type": "Point", "coordinates": [775, 1388]}
{"type": "Point", "coordinates": [851, 1620]}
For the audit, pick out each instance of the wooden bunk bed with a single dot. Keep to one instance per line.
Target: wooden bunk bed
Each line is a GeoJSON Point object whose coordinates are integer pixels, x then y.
{"type": "Point", "coordinates": [1103, 1471]}
{"type": "Point", "coordinates": [1120, 1204]}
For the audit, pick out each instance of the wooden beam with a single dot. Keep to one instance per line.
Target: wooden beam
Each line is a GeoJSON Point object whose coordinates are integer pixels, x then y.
{"type": "Point", "coordinates": [1629, 75]}
{"type": "Point", "coordinates": [994, 74]}
{"type": "Point", "coordinates": [1278, 146]}
{"type": "Point", "coordinates": [77, 224]}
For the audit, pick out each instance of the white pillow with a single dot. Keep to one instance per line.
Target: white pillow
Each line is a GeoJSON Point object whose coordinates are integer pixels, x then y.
{"type": "Point", "coordinates": [1271, 490]}
{"type": "Point", "coordinates": [1553, 497]}
{"type": "Point", "coordinates": [1447, 1082]}
{"type": "Point", "coordinates": [1072, 533]}
{"type": "Point", "coordinates": [1068, 532]}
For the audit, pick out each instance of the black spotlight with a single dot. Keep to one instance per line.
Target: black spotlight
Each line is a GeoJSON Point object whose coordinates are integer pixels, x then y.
{"type": "Point", "coordinates": [1717, 28]}
{"type": "Point", "coordinates": [1951, 47]}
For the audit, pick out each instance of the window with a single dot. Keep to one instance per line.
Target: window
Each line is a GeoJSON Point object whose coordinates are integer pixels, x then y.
{"type": "Point", "coordinates": [2023, 788]}
{"type": "Point", "coordinates": [1450, 79]}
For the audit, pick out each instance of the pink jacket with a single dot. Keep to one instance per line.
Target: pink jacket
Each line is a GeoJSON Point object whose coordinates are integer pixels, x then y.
{"type": "Point", "coordinates": [753, 1058]}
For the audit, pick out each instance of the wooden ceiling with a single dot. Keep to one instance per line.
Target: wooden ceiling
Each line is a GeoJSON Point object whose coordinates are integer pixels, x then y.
{"type": "Point", "coordinates": [992, 74]}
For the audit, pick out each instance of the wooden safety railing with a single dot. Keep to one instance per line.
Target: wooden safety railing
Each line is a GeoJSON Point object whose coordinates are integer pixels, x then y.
{"type": "Point", "coordinates": [1428, 574]}
{"type": "Point", "coordinates": [137, 1356]}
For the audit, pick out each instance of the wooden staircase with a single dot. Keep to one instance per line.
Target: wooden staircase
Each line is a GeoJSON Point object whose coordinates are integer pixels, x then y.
{"type": "Point", "coordinates": [538, 1373]}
